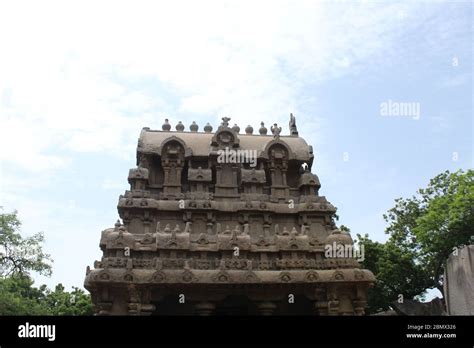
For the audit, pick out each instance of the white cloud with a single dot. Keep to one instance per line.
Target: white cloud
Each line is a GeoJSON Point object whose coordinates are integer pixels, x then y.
{"type": "Point", "coordinates": [111, 184]}
{"type": "Point", "coordinates": [67, 68]}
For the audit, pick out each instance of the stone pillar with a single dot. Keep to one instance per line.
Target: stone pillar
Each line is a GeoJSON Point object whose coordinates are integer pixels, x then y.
{"type": "Point", "coordinates": [333, 300]}
{"type": "Point", "coordinates": [459, 282]}
{"type": "Point", "coordinates": [359, 306]}
{"type": "Point", "coordinates": [139, 301]}
{"type": "Point", "coordinates": [266, 308]}
{"type": "Point", "coordinates": [345, 305]}
{"type": "Point", "coordinates": [205, 308]}
{"type": "Point", "coordinates": [321, 307]}
{"type": "Point", "coordinates": [333, 307]}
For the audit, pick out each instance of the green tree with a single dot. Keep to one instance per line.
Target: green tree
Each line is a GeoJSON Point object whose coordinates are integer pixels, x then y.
{"type": "Point", "coordinates": [19, 297]}
{"type": "Point", "coordinates": [396, 271]}
{"type": "Point", "coordinates": [61, 302]}
{"type": "Point", "coordinates": [433, 223]}
{"type": "Point", "coordinates": [18, 257]}
{"type": "Point", "coordinates": [424, 230]}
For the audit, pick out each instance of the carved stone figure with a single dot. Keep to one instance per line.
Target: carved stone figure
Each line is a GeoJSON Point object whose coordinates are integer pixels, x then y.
{"type": "Point", "coordinates": [292, 123]}
{"type": "Point", "coordinates": [275, 130]}
{"type": "Point", "coordinates": [225, 121]}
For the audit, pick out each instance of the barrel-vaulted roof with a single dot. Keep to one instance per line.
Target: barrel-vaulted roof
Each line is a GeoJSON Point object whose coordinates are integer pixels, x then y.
{"type": "Point", "coordinates": [151, 141]}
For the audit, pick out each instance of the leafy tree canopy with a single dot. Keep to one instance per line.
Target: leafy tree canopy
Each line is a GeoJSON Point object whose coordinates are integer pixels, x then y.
{"type": "Point", "coordinates": [424, 230]}
{"type": "Point", "coordinates": [18, 257]}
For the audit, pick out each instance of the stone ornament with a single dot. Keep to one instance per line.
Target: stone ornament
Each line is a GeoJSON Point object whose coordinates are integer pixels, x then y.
{"type": "Point", "coordinates": [180, 127]}
{"type": "Point", "coordinates": [208, 128]}
{"type": "Point", "coordinates": [166, 126]}
{"type": "Point", "coordinates": [193, 127]}
{"type": "Point", "coordinates": [263, 130]}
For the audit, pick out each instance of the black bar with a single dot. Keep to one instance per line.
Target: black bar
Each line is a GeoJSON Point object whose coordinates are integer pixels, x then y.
{"type": "Point", "coordinates": [242, 330]}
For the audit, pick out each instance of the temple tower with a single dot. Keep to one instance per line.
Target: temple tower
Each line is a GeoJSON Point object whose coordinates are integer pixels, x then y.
{"type": "Point", "coordinates": [225, 223]}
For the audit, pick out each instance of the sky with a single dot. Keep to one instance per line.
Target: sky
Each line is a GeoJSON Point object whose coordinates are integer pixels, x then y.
{"type": "Point", "coordinates": [79, 80]}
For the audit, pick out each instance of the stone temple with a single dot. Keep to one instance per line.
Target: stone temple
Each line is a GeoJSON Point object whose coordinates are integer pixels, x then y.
{"type": "Point", "coordinates": [225, 223]}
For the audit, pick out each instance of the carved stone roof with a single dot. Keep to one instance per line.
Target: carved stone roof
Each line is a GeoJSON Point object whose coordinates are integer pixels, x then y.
{"type": "Point", "coordinates": [308, 178]}
{"type": "Point", "coordinates": [138, 173]}
{"type": "Point", "coordinates": [339, 237]}
{"type": "Point", "coordinates": [200, 143]}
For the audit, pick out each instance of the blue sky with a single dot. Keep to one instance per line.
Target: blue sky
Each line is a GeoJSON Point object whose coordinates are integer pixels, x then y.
{"type": "Point", "coordinates": [79, 80]}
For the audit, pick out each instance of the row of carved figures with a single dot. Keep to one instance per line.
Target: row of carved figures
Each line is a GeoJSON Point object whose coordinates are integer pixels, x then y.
{"type": "Point", "coordinates": [228, 230]}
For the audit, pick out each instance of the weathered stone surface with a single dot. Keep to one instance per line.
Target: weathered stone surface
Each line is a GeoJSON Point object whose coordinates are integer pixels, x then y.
{"type": "Point", "coordinates": [234, 234]}
{"type": "Point", "coordinates": [459, 282]}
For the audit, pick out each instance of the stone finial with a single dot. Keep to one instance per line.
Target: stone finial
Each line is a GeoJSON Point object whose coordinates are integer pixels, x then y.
{"type": "Point", "coordinates": [166, 126]}
{"type": "Point", "coordinates": [208, 128]}
{"type": "Point", "coordinates": [117, 225]}
{"type": "Point", "coordinates": [292, 124]}
{"type": "Point", "coordinates": [180, 127]}
{"type": "Point", "coordinates": [276, 130]}
{"type": "Point", "coordinates": [236, 128]}
{"type": "Point", "coordinates": [193, 127]}
{"type": "Point", "coordinates": [263, 130]}
{"type": "Point", "coordinates": [225, 121]}
{"type": "Point", "coordinates": [249, 129]}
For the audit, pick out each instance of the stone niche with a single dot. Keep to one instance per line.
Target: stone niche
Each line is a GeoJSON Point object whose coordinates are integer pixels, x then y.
{"type": "Point", "coordinates": [225, 223]}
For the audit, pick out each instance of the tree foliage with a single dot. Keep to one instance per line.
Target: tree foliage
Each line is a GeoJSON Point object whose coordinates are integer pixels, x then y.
{"type": "Point", "coordinates": [18, 296]}
{"type": "Point", "coordinates": [434, 222]}
{"type": "Point", "coordinates": [396, 271]}
{"type": "Point", "coordinates": [18, 257]}
{"type": "Point", "coordinates": [424, 230]}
